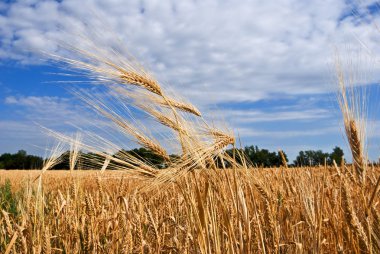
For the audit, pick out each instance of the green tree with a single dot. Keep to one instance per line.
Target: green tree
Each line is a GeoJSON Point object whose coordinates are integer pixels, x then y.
{"type": "Point", "coordinates": [263, 157]}
{"type": "Point", "coordinates": [144, 155]}
{"type": "Point", "coordinates": [91, 161]}
{"type": "Point", "coordinates": [20, 160]}
{"type": "Point", "coordinates": [236, 153]}
{"type": "Point", "coordinates": [311, 158]}
{"type": "Point", "coordinates": [148, 156]}
{"type": "Point", "coordinates": [336, 155]}
{"type": "Point", "coordinates": [64, 161]}
{"type": "Point", "coordinates": [315, 158]}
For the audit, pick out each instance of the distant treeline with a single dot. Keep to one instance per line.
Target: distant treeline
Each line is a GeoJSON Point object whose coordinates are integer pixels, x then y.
{"type": "Point", "coordinates": [265, 158]}
{"type": "Point", "coordinates": [252, 154]}
{"type": "Point", "coordinates": [20, 160]}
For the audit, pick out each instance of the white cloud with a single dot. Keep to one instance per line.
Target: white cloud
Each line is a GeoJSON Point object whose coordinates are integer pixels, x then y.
{"type": "Point", "coordinates": [17, 128]}
{"type": "Point", "coordinates": [16, 135]}
{"type": "Point", "coordinates": [252, 116]}
{"type": "Point", "coordinates": [10, 100]}
{"type": "Point", "coordinates": [52, 112]}
{"type": "Point", "coordinates": [37, 102]}
{"type": "Point", "coordinates": [209, 50]}
{"type": "Point", "coordinates": [280, 134]}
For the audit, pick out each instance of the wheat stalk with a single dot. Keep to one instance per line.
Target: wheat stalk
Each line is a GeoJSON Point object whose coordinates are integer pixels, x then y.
{"type": "Point", "coordinates": [283, 159]}
{"type": "Point", "coordinates": [353, 110]}
{"type": "Point", "coordinates": [352, 218]}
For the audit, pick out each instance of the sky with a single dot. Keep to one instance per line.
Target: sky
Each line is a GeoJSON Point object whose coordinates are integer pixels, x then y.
{"type": "Point", "coordinates": [264, 68]}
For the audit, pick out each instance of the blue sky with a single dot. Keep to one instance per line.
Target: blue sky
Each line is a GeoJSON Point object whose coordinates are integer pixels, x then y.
{"type": "Point", "coordinates": [265, 69]}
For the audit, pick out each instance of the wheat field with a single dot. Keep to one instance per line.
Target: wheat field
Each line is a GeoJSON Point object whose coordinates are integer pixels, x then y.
{"type": "Point", "coordinates": [204, 200]}
{"type": "Point", "coordinates": [295, 210]}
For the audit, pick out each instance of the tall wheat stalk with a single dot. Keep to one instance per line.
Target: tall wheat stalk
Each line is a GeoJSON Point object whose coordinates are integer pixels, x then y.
{"type": "Point", "coordinates": [353, 109]}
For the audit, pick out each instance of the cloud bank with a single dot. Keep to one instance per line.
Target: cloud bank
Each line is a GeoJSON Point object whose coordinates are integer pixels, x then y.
{"type": "Point", "coordinates": [212, 51]}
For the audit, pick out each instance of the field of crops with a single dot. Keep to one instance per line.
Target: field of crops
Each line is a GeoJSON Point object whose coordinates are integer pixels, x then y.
{"type": "Point", "coordinates": [198, 192]}
{"type": "Point", "coordinates": [295, 210]}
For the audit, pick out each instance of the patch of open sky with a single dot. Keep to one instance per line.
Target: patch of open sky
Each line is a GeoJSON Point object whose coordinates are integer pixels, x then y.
{"type": "Point", "coordinates": [359, 14]}
{"type": "Point", "coordinates": [36, 80]}
{"type": "Point", "coordinates": [4, 5]}
{"type": "Point", "coordinates": [374, 8]}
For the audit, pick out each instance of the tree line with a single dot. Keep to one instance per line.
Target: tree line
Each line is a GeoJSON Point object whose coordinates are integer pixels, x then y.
{"type": "Point", "coordinates": [265, 158]}
{"type": "Point", "coordinates": [254, 155]}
